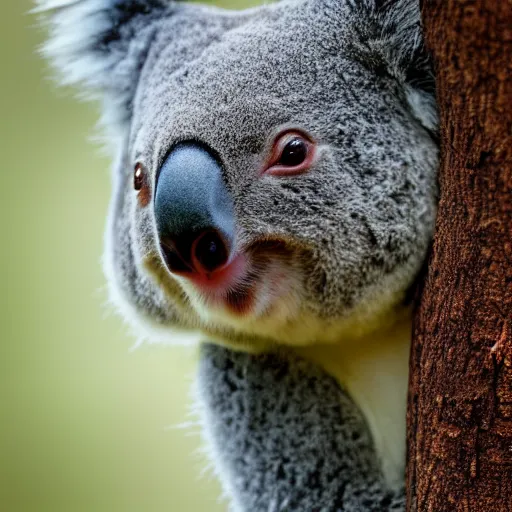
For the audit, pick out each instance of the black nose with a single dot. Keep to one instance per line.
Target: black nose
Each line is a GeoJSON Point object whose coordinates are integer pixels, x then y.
{"type": "Point", "coordinates": [193, 211]}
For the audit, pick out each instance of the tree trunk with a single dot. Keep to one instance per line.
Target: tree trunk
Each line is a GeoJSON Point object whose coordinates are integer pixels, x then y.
{"type": "Point", "coordinates": [460, 391]}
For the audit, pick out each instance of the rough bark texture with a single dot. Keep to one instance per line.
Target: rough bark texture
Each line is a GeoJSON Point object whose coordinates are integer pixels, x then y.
{"type": "Point", "coordinates": [460, 399]}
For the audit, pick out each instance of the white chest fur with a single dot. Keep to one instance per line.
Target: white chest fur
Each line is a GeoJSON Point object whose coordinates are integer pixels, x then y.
{"type": "Point", "coordinates": [374, 370]}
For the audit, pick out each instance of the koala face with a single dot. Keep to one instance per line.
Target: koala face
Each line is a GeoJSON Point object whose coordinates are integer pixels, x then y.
{"type": "Point", "coordinates": [276, 178]}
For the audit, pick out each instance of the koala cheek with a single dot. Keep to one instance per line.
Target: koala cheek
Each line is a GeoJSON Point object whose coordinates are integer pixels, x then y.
{"type": "Point", "coordinates": [141, 225]}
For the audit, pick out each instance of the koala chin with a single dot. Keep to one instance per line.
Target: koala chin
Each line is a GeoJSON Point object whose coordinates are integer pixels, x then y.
{"type": "Point", "coordinates": [275, 180]}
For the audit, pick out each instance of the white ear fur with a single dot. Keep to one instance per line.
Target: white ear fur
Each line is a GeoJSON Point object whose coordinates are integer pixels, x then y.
{"type": "Point", "coordinates": [423, 107]}
{"type": "Point", "coordinates": [396, 38]}
{"type": "Point", "coordinates": [100, 45]}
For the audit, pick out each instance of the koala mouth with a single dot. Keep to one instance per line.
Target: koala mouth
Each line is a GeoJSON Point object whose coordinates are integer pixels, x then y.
{"type": "Point", "coordinates": [229, 286]}
{"type": "Point", "coordinates": [250, 283]}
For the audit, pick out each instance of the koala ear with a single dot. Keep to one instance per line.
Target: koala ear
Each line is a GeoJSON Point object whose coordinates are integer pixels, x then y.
{"type": "Point", "coordinates": [391, 36]}
{"type": "Point", "coordinates": [101, 45]}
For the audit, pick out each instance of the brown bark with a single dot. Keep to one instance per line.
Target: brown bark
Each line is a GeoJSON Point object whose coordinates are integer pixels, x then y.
{"type": "Point", "coordinates": [460, 395]}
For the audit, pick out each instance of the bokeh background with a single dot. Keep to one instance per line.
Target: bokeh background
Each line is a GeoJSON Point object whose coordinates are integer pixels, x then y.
{"type": "Point", "coordinates": [86, 424]}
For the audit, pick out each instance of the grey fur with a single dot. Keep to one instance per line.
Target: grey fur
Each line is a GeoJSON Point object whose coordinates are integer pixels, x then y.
{"type": "Point", "coordinates": [360, 223]}
{"type": "Point", "coordinates": [355, 229]}
{"type": "Point", "coordinates": [288, 438]}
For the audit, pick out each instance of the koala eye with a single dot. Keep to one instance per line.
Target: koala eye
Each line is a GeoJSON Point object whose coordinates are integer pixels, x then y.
{"type": "Point", "coordinates": [140, 184]}
{"type": "Point", "coordinates": [292, 154]}
{"type": "Point", "coordinates": [138, 177]}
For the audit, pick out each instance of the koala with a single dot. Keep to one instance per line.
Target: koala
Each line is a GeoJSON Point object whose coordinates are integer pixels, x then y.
{"type": "Point", "coordinates": [274, 193]}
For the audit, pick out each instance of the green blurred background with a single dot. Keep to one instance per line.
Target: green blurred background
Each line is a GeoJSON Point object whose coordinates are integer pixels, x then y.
{"type": "Point", "coordinates": [85, 423]}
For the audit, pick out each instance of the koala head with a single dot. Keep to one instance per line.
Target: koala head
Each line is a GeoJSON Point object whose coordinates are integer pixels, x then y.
{"type": "Point", "coordinates": [275, 179]}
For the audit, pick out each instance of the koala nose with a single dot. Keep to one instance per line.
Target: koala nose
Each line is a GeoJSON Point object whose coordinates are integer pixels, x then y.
{"type": "Point", "coordinates": [193, 211]}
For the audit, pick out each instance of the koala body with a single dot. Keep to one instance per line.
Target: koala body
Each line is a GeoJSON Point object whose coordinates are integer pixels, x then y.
{"type": "Point", "coordinates": [284, 165]}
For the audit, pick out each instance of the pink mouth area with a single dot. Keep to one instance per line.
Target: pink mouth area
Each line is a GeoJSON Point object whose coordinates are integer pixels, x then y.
{"type": "Point", "coordinates": [229, 287]}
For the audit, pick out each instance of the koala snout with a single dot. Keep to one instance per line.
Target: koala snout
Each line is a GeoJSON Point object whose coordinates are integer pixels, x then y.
{"type": "Point", "coordinates": [193, 212]}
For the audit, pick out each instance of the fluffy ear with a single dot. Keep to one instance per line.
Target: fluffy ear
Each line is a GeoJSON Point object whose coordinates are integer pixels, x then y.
{"type": "Point", "coordinates": [393, 41]}
{"type": "Point", "coordinates": [102, 45]}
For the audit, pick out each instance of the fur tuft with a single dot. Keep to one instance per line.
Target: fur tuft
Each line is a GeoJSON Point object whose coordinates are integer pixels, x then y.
{"type": "Point", "coordinates": [394, 37]}
{"type": "Point", "coordinates": [101, 46]}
